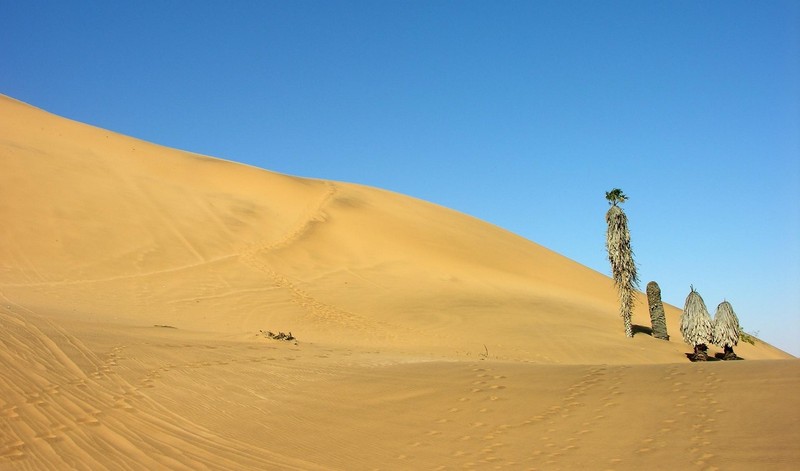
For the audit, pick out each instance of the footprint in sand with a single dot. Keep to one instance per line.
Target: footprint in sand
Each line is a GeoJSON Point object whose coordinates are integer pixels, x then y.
{"type": "Point", "coordinates": [704, 459]}
{"type": "Point", "coordinates": [488, 449]}
{"type": "Point", "coordinates": [10, 412]}
{"type": "Point", "coordinates": [124, 405]}
{"type": "Point", "coordinates": [49, 436]}
{"type": "Point", "coordinates": [59, 427]}
{"type": "Point", "coordinates": [13, 450]}
{"type": "Point", "coordinates": [133, 393]}
{"type": "Point", "coordinates": [88, 420]}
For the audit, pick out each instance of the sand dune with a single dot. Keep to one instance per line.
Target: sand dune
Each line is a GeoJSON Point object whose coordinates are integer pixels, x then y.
{"type": "Point", "coordinates": [135, 281]}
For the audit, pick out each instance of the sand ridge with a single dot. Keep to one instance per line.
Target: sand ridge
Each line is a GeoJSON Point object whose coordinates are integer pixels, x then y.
{"type": "Point", "coordinates": [135, 281]}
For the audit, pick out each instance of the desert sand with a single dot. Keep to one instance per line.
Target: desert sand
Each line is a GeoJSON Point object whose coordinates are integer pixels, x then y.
{"type": "Point", "coordinates": [137, 283]}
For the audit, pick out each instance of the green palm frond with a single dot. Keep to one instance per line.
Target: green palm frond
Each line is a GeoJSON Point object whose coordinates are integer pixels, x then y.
{"type": "Point", "coordinates": [615, 197]}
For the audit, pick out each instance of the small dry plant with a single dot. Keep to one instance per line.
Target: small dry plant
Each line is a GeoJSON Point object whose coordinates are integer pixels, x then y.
{"type": "Point", "coordinates": [279, 336]}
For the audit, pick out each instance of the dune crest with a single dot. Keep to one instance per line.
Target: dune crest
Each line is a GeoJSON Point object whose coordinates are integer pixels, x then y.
{"type": "Point", "coordinates": [136, 281]}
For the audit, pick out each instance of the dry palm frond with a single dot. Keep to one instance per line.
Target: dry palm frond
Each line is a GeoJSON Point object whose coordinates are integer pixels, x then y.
{"type": "Point", "coordinates": [696, 325]}
{"type": "Point", "coordinates": [657, 316]}
{"type": "Point", "coordinates": [618, 244]}
{"type": "Point", "coordinates": [623, 268]}
{"type": "Point", "coordinates": [726, 326]}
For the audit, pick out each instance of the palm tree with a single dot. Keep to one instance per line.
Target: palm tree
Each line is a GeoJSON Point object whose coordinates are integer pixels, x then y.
{"type": "Point", "coordinates": [616, 196]}
{"type": "Point", "coordinates": [696, 326]}
{"type": "Point", "coordinates": [620, 254]}
{"type": "Point", "coordinates": [657, 317]}
{"type": "Point", "coordinates": [726, 330]}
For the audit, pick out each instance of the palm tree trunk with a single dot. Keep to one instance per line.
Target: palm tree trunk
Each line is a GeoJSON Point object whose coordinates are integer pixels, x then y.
{"type": "Point", "coordinates": [657, 316]}
{"type": "Point", "coordinates": [700, 352]}
{"type": "Point", "coordinates": [626, 319]}
{"type": "Point", "coordinates": [729, 353]}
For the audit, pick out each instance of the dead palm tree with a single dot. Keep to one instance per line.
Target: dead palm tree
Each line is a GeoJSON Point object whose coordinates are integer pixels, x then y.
{"type": "Point", "coordinates": [657, 317]}
{"type": "Point", "coordinates": [696, 325]}
{"type": "Point", "coordinates": [620, 254]}
{"type": "Point", "coordinates": [726, 330]}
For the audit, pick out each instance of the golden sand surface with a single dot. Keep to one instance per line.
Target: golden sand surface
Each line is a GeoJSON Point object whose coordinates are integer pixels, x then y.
{"type": "Point", "coordinates": [137, 281]}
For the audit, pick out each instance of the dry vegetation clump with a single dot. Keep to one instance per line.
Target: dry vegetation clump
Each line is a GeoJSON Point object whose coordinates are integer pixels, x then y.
{"type": "Point", "coordinates": [279, 336]}
{"type": "Point", "coordinates": [748, 338]}
{"type": "Point", "coordinates": [696, 325]}
{"type": "Point", "coordinates": [726, 330]}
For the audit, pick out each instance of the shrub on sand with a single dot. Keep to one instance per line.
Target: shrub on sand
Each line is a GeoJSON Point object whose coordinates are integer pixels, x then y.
{"type": "Point", "coordinates": [748, 338]}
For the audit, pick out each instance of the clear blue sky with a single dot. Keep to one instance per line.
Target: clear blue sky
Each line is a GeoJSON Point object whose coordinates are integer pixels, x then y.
{"type": "Point", "coordinates": [519, 113]}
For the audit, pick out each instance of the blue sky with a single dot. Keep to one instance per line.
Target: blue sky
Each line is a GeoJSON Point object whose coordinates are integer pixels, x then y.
{"type": "Point", "coordinates": [519, 113]}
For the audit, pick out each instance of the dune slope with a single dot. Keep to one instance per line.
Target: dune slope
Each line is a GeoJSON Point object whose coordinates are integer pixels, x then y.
{"type": "Point", "coordinates": [118, 230]}
{"type": "Point", "coordinates": [136, 281]}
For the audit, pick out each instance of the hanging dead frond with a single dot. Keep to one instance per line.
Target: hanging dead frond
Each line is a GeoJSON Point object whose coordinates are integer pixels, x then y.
{"type": "Point", "coordinates": [657, 317]}
{"type": "Point", "coordinates": [726, 326]}
{"type": "Point", "coordinates": [696, 325]}
{"type": "Point", "coordinates": [623, 268]}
